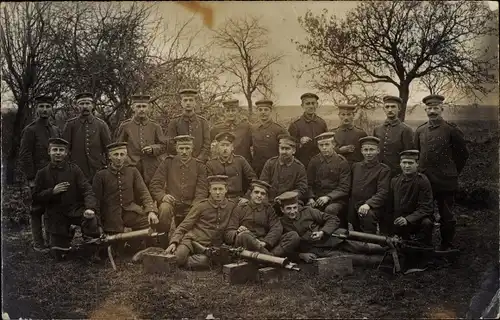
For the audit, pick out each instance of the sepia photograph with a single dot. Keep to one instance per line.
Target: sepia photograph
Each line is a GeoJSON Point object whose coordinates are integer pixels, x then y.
{"type": "Point", "coordinates": [250, 159]}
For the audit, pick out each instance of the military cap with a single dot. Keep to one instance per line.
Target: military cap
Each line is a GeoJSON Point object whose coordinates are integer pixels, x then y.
{"type": "Point", "coordinates": [231, 103]}
{"type": "Point", "coordinates": [262, 184]}
{"type": "Point", "coordinates": [140, 98]}
{"type": "Point", "coordinates": [309, 95]}
{"type": "Point", "coordinates": [325, 136]}
{"type": "Point", "coordinates": [388, 99]}
{"type": "Point", "coordinates": [410, 154]}
{"type": "Point", "coordinates": [188, 91]}
{"type": "Point", "coordinates": [433, 99]}
{"type": "Point", "coordinates": [217, 179]}
{"type": "Point", "coordinates": [369, 140]}
{"type": "Point", "coordinates": [347, 107]}
{"type": "Point", "coordinates": [264, 103]}
{"type": "Point", "coordinates": [288, 140]}
{"type": "Point", "coordinates": [184, 139]}
{"type": "Point", "coordinates": [84, 95]}
{"type": "Point", "coordinates": [116, 145]}
{"type": "Point", "coordinates": [228, 136]}
{"type": "Point", "coordinates": [58, 141]}
{"type": "Point", "coordinates": [288, 198]}
{"type": "Point", "coordinates": [44, 99]}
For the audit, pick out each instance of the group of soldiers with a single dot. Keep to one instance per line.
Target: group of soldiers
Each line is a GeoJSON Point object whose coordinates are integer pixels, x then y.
{"type": "Point", "coordinates": [268, 189]}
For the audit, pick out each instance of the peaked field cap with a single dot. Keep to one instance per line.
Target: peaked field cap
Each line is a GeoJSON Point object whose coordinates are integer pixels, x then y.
{"type": "Point", "coordinates": [369, 140]}
{"type": "Point", "coordinates": [288, 197]}
{"type": "Point", "coordinates": [183, 139]}
{"type": "Point", "coordinates": [141, 98]}
{"type": "Point", "coordinates": [58, 141]}
{"type": "Point", "coordinates": [264, 103]}
{"type": "Point", "coordinates": [387, 99]}
{"type": "Point", "coordinates": [287, 139]}
{"type": "Point", "coordinates": [345, 106]}
{"type": "Point", "coordinates": [84, 95]}
{"type": "Point", "coordinates": [188, 91]}
{"type": "Point", "coordinates": [309, 95]}
{"type": "Point", "coordinates": [217, 179]}
{"type": "Point", "coordinates": [116, 145]}
{"type": "Point", "coordinates": [410, 154]}
{"type": "Point", "coordinates": [228, 136]}
{"type": "Point", "coordinates": [262, 184]}
{"type": "Point", "coordinates": [44, 99]}
{"type": "Point", "coordinates": [433, 99]}
{"type": "Point", "coordinates": [325, 136]}
{"type": "Point", "coordinates": [231, 103]}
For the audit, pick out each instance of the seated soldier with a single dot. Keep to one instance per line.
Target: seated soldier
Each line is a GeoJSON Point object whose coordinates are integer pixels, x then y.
{"type": "Point", "coordinates": [329, 178]}
{"type": "Point", "coordinates": [314, 229]}
{"type": "Point", "coordinates": [179, 182]}
{"type": "Point", "coordinates": [370, 190]}
{"type": "Point", "coordinates": [122, 195]}
{"type": "Point", "coordinates": [411, 200]}
{"type": "Point", "coordinates": [234, 166]}
{"type": "Point", "coordinates": [205, 223]}
{"type": "Point", "coordinates": [256, 227]}
{"type": "Point", "coordinates": [67, 196]}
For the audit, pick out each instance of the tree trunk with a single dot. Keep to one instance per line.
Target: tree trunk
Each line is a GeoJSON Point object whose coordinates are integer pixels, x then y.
{"type": "Point", "coordinates": [249, 101]}
{"type": "Point", "coordinates": [22, 115]}
{"type": "Point", "coordinates": [404, 93]}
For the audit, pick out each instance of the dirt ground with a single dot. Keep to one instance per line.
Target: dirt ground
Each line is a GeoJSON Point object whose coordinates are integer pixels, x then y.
{"type": "Point", "coordinates": [35, 286]}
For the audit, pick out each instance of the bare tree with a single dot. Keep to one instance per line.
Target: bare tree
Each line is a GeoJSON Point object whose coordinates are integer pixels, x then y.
{"type": "Point", "coordinates": [398, 42]}
{"type": "Point", "coordinates": [245, 42]}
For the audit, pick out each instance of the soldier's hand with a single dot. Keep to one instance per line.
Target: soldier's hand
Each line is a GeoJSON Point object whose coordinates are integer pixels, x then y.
{"type": "Point", "coordinates": [305, 140]}
{"type": "Point", "coordinates": [307, 257]}
{"type": "Point", "coordinates": [89, 214]}
{"type": "Point", "coordinates": [31, 183]}
{"type": "Point", "coordinates": [153, 218]}
{"type": "Point", "coordinates": [171, 248]}
{"type": "Point", "coordinates": [322, 201]}
{"type": "Point", "coordinates": [168, 198]}
{"type": "Point", "coordinates": [311, 202]}
{"type": "Point", "coordinates": [60, 187]}
{"type": "Point", "coordinates": [317, 235]}
{"type": "Point", "coordinates": [345, 149]}
{"type": "Point", "coordinates": [241, 229]}
{"type": "Point", "coordinates": [147, 150]}
{"type": "Point", "coordinates": [363, 210]}
{"type": "Point", "coordinates": [242, 201]}
{"type": "Point", "coordinates": [262, 243]}
{"type": "Point", "coordinates": [351, 148]}
{"type": "Point", "coordinates": [400, 221]}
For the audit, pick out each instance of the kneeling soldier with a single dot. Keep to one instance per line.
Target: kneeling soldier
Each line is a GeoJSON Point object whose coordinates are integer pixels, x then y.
{"type": "Point", "coordinates": [412, 202]}
{"type": "Point", "coordinates": [205, 223]}
{"type": "Point", "coordinates": [117, 189]}
{"type": "Point", "coordinates": [64, 191]}
{"type": "Point", "coordinates": [256, 227]}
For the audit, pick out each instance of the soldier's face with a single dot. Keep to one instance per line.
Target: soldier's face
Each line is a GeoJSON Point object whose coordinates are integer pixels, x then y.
{"type": "Point", "coordinates": [391, 110]}
{"type": "Point", "coordinates": [258, 195]}
{"type": "Point", "coordinates": [184, 151]}
{"type": "Point", "coordinates": [140, 109]}
{"type": "Point", "coordinates": [291, 210]}
{"type": "Point", "coordinates": [326, 147]}
{"type": "Point", "coordinates": [310, 105]}
{"type": "Point", "coordinates": [433, 112]}
{"type": "Point", "coordinates": [286, 151]}
{"type": "Point", "coordinates": [57, 153]}
{"type": "Point", "coordinates": [346, 117]}
{"type": "Point", "coordinates": [85, 106]}
{"type": "Point", "coordinates": [264, 113]}
{"type": "Point", "coordinates": [409, 166]}
{"type": "Point", "coordinates": [117, 157]}
{"type": "Point", "coordinates": [369, 151]}
{"type": "Point", "coordinates": [225, 148]}
{"type": "Point", "coordinates": [218, 191]}
{"type": "Point", "coordinates": [44, 110]}
{"type": "Point", "coordinates": [188, 103]}
{"type": "Point", "coordinates": [230, 113]}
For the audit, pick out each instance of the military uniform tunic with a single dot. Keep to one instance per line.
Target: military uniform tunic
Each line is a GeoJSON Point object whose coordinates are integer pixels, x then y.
{"type": "Point", "coordinates": [395, 136]}
{"type": "Point", "coordinates": [329, 176]}
{"type": "Point", "coordinates": [349, 135]}
{"type": "Point", "coordinates": [307, 127]}
{"type": "Point", "coordinates": [243, 137]}
{"type": "Point", "coordinates": [123, 198]}
{"type": "Point", "coordinates": [88, 138]}
{"type": "Point", "coordinates": [33, 154]}
{"type": "Point", "coordinates": [236, 168]}
{"type": "Point", "coordinates": [139, 134]}
{"type": "Point", "coordinates": [196, 126]}
{"type": "Point", "coordinates": [265, 143]}
{"type": "Point", "coordinates": [285, 177]}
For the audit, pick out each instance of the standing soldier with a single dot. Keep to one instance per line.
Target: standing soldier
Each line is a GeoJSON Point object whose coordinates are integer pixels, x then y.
{"type": "Point", "coordinates": [395, 136]}
{"type": "Point", "coordinates": [144, 138]}
{"type": "Point", "coordinates": [265, 136]}
{"type": "Point", "coordinates": [88, 137]}
{"type": "Point", "coordinates": [443, 154]}
{"type": "Point", "coordinates": [33, 156]}
{"type": "Point", "coordinates": [308, 126]}
{"type": "Point", "coordinates": [241, 130]}
{"type": "Point", "coordinates": [189, 123]}
{"type": "Point", "coordinates": [179, 182]}
{"type": "Point", "coordinates": [235, 167]}
{"type": "Point", "coordinates": [347, 135]}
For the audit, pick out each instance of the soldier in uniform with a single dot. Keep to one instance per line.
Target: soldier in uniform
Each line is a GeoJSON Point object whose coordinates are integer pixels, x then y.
{"type": "Point", "coordinates": [144, 137]}
{"type": "Point", "coordinates": [329, 178]}
{"type": "Point", "coordinates": [67, 196]}
{"type": "Point", "coordinates": [395, 136]}
{"type": "Point", "coordinates": [256, 227]}
{"type": "Point", "coordinates": [205, 224]}
{"type": "Point", "coordinates": [285, 172]}
{"type": "Point", "coordinates": [189, 123]}
{"type": "Point", "coordinates": [347, 135]}
{"type": "Point", "coordinates": [33, 156]}
{"type": "Point", "coordinates": [241, 130]}
{"type": "Point", "coordinates": [308, 126]}
{"type": "Point", "coordinates": [179, 182]}
{"type": "Point", "coordinates": [314, 229]}
{"type": "Point", "coordinates": [443, 154]}
{"type": "Point", "coordinates": [265, 136]}
{"type": "Point", "coordinates": [370, 190]}
{"type": "Point", "coordinates": [411, 200]}
{"type": "Point", "coordinates": [122, 196]}
{"type": "Point", "coordinates": [234, 166]}
{"type": "Point", "coordinates": [88, 137]}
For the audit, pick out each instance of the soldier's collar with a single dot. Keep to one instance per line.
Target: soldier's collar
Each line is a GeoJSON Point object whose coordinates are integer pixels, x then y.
{"type": "Point", "coordinates": [88, 119]}
{"type": "Point", "coordinates": [265, 124]}
{"type": "Point", "coordinates": [141, 121]}
{"type": "Point", "coordinates": [216, 205]}
{"type": "Point", "coordinates": [253, 205]}
{"type": "Point", "coordinates": [229, 160]}
{"type": "Point", "coordinates": [392, 122]}
{"type": "Point", "coordinates": [114, 170]}
{"type": "Point", "coordinates": [185, 163]}
{"type": "Point", "coordinates": [346, 127]}
{"type": "Point", "coordinates": [328, 158]}
{"type": "Point", "coordinates": [59, 166]}
{"type": "Point", "coordinates": [190, 118]}
{"type": "Point", "coordinates": [371, 164]}
{"type": "Point", "coordinates": [284, 161]}
{"type": "Point", "coordinates": [309, 118]}
{"type": "Point", "coordinates": [408, 177]}
{"type": "Point", "coordinates": [42, 121]}
{"type": "Point", "coordinates": [436, 123]}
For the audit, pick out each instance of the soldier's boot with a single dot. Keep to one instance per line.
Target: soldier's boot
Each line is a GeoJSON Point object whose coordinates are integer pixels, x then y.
{"type": "Point", "coordinates": [447, 235]}
{"type": "Point", "coordinates": [278, 251]}
{"type": "Point", "coordinates": [37, 231]}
